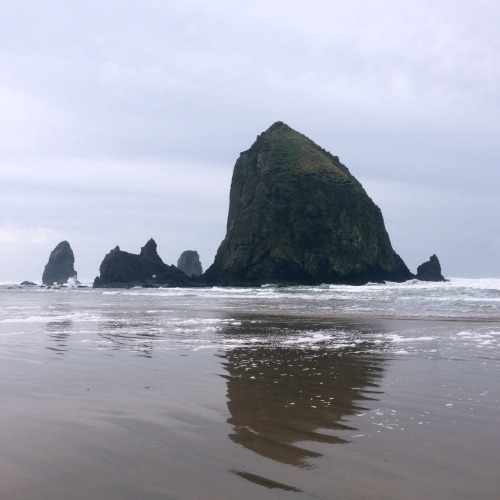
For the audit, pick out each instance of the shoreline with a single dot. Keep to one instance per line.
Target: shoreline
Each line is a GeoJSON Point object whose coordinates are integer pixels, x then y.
{"type": "Point", "coordinates": [157, 395]}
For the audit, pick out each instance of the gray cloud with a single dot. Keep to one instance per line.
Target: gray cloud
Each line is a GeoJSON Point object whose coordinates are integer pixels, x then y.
{"type": "Point", "coordinates": [123, 120]}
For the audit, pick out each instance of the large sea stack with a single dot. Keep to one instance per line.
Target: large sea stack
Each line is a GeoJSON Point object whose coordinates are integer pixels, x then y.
{"type": "Point", "coordinates": [60, 267]}
{"type": "Point", "coordinates": [298, 216]}
{"type": "Point", "coordinates": [121, 269]}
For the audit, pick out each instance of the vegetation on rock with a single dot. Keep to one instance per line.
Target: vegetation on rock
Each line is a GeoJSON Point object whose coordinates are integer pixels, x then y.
{"type": "Point", "coordinates": [298, 216]}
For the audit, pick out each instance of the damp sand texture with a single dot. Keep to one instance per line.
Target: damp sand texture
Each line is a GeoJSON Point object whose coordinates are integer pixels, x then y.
{"type": "Point", "coordinates": [142, 395]}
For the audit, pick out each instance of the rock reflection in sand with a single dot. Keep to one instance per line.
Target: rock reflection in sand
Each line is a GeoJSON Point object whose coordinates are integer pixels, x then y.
{"type": "Point", "coordinates": [281, 398]}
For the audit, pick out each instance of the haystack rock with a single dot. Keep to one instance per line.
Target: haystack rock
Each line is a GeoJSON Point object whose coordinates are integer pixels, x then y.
{"type": "Point", "coordinates": [298, 216]}
{"type": "Point", "coordinates": [189, 263]}
{"type": "Point", "coordinates": [60, 267]}
{"type": "Point", "coordinates": [121, 269]}
{"type": "Point", "coordinates": [430, 270]}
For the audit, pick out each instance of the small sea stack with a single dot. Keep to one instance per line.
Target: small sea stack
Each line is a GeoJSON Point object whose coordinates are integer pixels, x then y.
{"type": "Point", "coordinates": [430, 270]}
{"type": "Point", "coordinates": [121, 269]}
{"type": "Point", "coordinates": [60, 267]}
{"type": "Point", "coordinates": [189, 263]}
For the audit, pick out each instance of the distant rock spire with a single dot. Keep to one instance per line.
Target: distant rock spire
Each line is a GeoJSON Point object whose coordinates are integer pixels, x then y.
{"type": "Point", "coordinates": [148, 251]}
{"type": "Point", "coordinates": [430, 270]}
{"type": "Point", "coordinates": [189, 263]}
{"type": "Point", "coordinates": [60, 267]}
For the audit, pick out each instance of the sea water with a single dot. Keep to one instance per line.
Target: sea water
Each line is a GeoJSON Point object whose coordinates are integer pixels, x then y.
{"type": "Point", "coordinates": [251, 390]}
{"type": "Point", "coordinates": [167, 319]}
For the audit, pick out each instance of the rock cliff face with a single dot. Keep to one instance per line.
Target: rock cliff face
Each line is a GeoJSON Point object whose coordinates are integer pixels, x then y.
{"type": "Point", "coordinates": [60, 268]}
{"type": "Point", "coordinates": [189, 263]}
{"type": "Point", "coordinates": [430, 270]}
{"type": "Point", "coordinates": [298, 216]}
{"type": "Point", "coordinates": [121, 269]}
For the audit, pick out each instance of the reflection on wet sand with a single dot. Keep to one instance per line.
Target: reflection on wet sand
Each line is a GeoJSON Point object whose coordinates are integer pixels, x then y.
{"type": "Point", "coordinates": [278, 397]}
{"type": "Point", "coordinates": [282, 398]}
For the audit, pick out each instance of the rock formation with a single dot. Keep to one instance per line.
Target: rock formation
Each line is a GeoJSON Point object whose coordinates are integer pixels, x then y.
{"type": "Point", "coordinates": [189, 263]}
{"type": "Point", "coordinates": [298, 216]}
{"type": "Point", "coordinates": [121, 269]}
{"type": "Point", "coordinates": [430, 270]}
{"type": "Point", "coordinates": [60, 266]}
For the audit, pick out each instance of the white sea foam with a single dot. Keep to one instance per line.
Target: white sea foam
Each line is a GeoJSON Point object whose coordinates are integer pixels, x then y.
{"type": "Point", "coordinates": [310, 339]}
{"type": "Point", "coordinates": [210, 317]}
{"type": "Point", "coordinates": [455, 298]}
{"type": "Point", "coordinates": [398, 338]}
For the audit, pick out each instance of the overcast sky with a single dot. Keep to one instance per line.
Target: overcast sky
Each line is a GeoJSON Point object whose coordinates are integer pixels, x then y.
{"type": "Point", "coordinates": [122, 120]}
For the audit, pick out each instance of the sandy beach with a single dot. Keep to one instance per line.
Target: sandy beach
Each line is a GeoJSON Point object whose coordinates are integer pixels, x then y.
{"type": "Point", "coordinates": [351, 422]}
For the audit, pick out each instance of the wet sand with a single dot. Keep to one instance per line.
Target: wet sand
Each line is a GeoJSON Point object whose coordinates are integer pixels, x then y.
{"type": "Point", "coordinates": [248, 422]}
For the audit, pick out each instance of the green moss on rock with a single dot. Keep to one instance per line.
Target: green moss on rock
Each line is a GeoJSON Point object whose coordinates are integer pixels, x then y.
{"type": "Point", "coordinates": [298, 216]}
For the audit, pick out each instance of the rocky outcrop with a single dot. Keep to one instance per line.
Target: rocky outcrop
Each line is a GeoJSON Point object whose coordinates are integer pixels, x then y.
{"type": "Point", "coordinates": [60, 267]}
{"type": "Point", "coordinates": [298, 216]}
{"type": "Point", "coordinates": [121, 269]}
{"type": "Point", "coordinates": [430, 270]}
{"type": "Point", "coordinates": [189, 263]}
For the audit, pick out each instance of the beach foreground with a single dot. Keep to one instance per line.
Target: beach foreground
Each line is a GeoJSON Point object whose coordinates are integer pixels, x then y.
{"type": "Point", "coordinates": [136, 394]}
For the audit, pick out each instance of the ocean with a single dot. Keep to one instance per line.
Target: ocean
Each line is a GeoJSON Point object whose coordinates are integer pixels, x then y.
{"type": "Point", "coordinates": [378, 391]}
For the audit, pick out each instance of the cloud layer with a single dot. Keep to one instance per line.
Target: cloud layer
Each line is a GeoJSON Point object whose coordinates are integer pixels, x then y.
{"type": "Point", "coordinates": [122, 120]}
